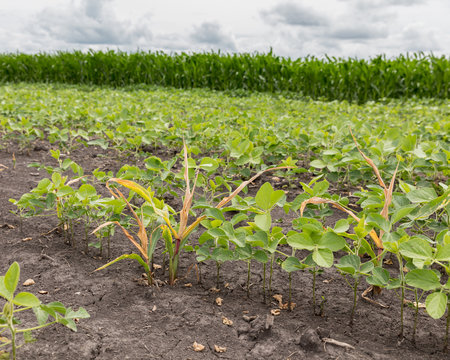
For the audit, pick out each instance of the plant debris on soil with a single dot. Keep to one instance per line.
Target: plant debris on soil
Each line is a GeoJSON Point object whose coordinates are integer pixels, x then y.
{"type": "Point", "coordinates": [189, 320]}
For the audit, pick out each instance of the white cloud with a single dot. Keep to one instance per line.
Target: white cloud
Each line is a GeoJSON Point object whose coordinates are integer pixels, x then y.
{"type": "Point", "coordinates": [291, 13]}
{"type": "Point", "coordinates": [89, 23]}
{"type": "Point", "coordinates": [295, 28]}
{"type": "Point", "coordinates": [212, 35]}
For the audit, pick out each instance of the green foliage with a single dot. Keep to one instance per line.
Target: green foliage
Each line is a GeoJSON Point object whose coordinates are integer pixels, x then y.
{"type": "Point", "coordinates": [25, 301]}
{"type": "Point", "coordinates": [333, 78]}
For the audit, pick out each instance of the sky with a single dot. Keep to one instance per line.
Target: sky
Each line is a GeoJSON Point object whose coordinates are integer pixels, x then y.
{"type": "Point", "coordinates": [291, 28]}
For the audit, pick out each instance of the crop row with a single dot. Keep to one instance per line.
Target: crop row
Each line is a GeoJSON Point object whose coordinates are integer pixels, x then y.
{"type": "Point", "coordinates": [359, 80]}
{"type": "Point", "coordinates": [242, 133]}
{"type": "Point", "coordinates": [410, 225]}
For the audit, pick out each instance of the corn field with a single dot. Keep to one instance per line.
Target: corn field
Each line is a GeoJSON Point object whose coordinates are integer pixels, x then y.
{"type": "Point", "coordinates": [356, 80]}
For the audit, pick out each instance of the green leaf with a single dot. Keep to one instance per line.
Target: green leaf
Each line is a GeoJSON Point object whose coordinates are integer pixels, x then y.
{"type": "Point", "coordinates": [11, 278]}
{"type": "Point", "coordinates": [260, 256]}
{"type": "Point", "coordinates": [41, 315]}
{"type": "Point", "coordinates": [436, 304]}
{"type": "Point", "coordinates": [379, 277]}
{"type": "Point", "coordinates": [349, 264]}
{"type": "Point", "coordinates": [259, 238]}
{"type": "Point", "coordinates": [424, 279]}
{"type": "Point", "coordinates": [301, 241]}
{"type": "Point", "coordinates": [318, 164]}
{"type": "Point", "coordinates": [27, 337]}
{"type": "Point", "coordinates": [3, 291]}
{"type": "Point", "coordinates": [341, 226]}
{"type": "Point", "coordinates": [275, 197]}
{"type": "Point", "coordinates": [214, 213]}
{"type": "Point", "coordinates": [379, 221]}
{"type": "Point", "coordinates": [421, 195]}
{"type": "Point", "coordinates": [443, 253]}
{"type": "Point", "coordinates": [81, 313]}
{"type": "Point", "coordinates": [366, 267]}
{"type": "Point", "coordinates": [263, 196]}
{"type": "Point", "coordinates": [263, 221]}
{"type": "Point", "coordinates": [323, 257]}
{"type": "Point", "coordinates": [361, 230]}
{"type": "Point", "coordinates": [86, 191]}
{"type": "Point", "coordinates": [416, 248]}
{"type": "Point", "coordinates": [332, 241]}
{"type": "Point", "coordinates": [320, 188]}
{"type": "Point", "coordinates": [292, 264]}
{"type": "Point", "coordinates": [208, 164]}
{"type": "Point", "coordinates": [216, 232]}
{"type": "Point", "coordinates": [401, 213]}
{"type": "Point", "coordinates": [221, 254]}
{"type": "Point", "coordinates": [154, 163]}
{"type": "Point", "coordinates": [26, 299]}
{"type": "Point", "coordinates": [64, 191]}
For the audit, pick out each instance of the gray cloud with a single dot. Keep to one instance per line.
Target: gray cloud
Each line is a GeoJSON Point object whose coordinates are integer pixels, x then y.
{"type": "Point", "coordinates": [89, 23]}
{"type": "Point", "coordinates": [209, 33]}
{"type": "Point", "coordinates": [415, 37]}
{"type": "Point", "coordinates": [358, 32]}
{"type": "Point", "coordinates": [293, 14]}
{"type": "Point", "coordinates": [371, 4]}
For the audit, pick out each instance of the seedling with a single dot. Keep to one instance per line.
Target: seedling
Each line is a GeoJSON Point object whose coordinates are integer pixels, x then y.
{"type": "Point", "coordinates": [25, 301]}
{"type": "Point", "coordinates": [175, 234]}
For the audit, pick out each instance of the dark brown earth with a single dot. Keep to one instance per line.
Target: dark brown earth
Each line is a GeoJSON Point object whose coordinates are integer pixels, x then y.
{"type": "Point", "coordinates": [132, 321]}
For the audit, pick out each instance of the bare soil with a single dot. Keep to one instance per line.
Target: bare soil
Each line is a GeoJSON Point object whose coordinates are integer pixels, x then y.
{"type": "Point", "coordinates": [130, 320]}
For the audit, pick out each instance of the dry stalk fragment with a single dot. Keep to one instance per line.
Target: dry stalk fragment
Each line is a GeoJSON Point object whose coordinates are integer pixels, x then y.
{"type": "Point", "coordinates": [220, 349]}
{"type": "Point", "coordinates": [198, 347]}
{"type": "Point", "coordinates": [227, 321]}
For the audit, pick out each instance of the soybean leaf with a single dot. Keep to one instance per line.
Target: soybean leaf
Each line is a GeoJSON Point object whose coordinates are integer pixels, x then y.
{"type": "Point", "coordinates": [263, 196]}
{"type": "Point", "coordinates": [292, 264]}
{"type": "Point", "coordinates": [421, 195]}
{"type": "Point", "coordinates": [424, 279]}
{"type": "Point", "coordinates": [215, 213]}
{"type": "Point", "coordinates": [379, 277]}
{"type": "Point", "coordinates": [263, 221]}
{"type": "Point", "coordinates": [416, 248]}
{"type": "Point", "coordinates": [349, 264]}
{"type": "Point", "coordinates": [443, 252]}
{"type": "Point", "coordinates": [220, 254]}
{"type": "Point", "coordinates": [208, 164]}
{"type": "Point", "coordinates": [86, 191]}
{"type": "Point", "coordinates": [41, 315]}
{"type": "Point", "coordinates": [323, 257]}
{"type": "Point", "coordinates": [401, 213]}
{"type": "Point", "coordinates": [301, 241]}
{"type": "Point", "coordinates": [341, 226]}
{"type": "Point", "coordinates": [436, 304]}
{"type": "Point", "coordinates": [260, 256]}
{"type": "Point", "coordinates": [259, 238]}
{"type": "Point", "coordinates": [379, 221]}
{"type": "Point", "coordinates": [81, 313]}
{"type": "Point", "coordinates": [332, 241]}
{"type": "Point", "coordinates": [26, 299]}
{"type": "Point", "coordinates": [366, 267]}
{"type": "Point", "coordinates": [12, 278]}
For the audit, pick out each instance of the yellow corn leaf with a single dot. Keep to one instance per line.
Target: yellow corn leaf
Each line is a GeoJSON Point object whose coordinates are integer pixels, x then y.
{"type": "Point", "coordinates": [142, 250]}
{"type": "Point", "coordinates": [142, 233]}
{"type": "Point", "coordinates": [145, 194]}
{"type": "Point", "coordinates": [388, 198]}
{"type": "Point", "coordinates": [188, 195]}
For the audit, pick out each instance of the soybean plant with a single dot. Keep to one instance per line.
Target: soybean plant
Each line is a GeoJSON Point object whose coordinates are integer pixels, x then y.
{"type": "Point", "coordinates": [26, 301]}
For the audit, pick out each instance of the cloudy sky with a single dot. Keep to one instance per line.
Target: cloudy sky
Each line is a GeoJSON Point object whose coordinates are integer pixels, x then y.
{"type": "Point", "coordinates": [294, 28]}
